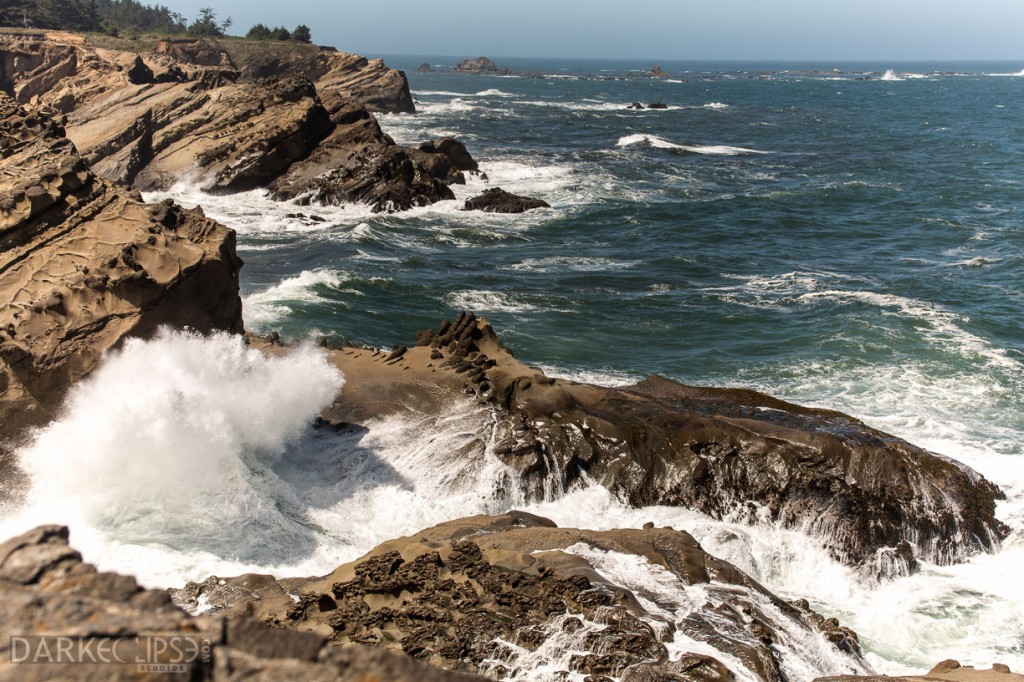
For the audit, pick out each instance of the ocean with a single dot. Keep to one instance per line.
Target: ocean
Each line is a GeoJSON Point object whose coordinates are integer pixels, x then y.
{"type": "Point", "coordinates": [848, 236]}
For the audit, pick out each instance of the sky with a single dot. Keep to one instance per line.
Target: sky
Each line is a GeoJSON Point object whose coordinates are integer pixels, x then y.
{"type": "Point", "coordinates": [649, 29]}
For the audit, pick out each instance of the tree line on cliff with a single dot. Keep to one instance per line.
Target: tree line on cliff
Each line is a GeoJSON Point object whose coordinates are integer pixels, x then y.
{"type": "Point", "coordinates": [117, 16]}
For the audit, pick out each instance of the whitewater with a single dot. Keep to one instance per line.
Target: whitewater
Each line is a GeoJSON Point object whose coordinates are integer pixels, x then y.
{"type": "Point", "coordinates": [850, 244]}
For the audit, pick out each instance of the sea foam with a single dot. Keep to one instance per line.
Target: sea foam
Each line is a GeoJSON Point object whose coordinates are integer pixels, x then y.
{"type": "Point", "coordinates": [171, 442]}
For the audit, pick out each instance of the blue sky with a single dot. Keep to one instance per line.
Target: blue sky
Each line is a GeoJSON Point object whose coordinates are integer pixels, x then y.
{"type": "Point", "coordinates": [650, 29]}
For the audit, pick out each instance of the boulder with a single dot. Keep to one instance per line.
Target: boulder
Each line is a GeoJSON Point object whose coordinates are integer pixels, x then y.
{"type": "Point", "coordinates": [84, 264]}
{"type": "Point", "coordinates": [657, 105]}
{"type": "Point", "coordinates": [482, 594]}
{"type": "Point", "coordinates": [497, 200]}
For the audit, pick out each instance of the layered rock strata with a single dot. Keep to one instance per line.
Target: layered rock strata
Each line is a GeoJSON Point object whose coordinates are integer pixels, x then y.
{"type": "Point", "coordinates": [84, 264]}
{"type": "Point", "coordinates": [231, 118]}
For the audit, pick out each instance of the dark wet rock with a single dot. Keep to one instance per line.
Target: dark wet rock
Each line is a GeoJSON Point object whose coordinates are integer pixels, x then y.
{"type": "Point", "coordinates": [636, 105]}
{"type": "Point", "coordinates": [452, 594]}
{"type": "Point", "coordinates": [358, 162]}
{"type": "Point", "coordinates": [657, 105]}
{"type": "Point", "coordinates": [446, 159]}
{"type": "Point", "coordinates": [497, 200]}
{"type": "Point", "coordinates": [874, 501]}
{"type": "Point", "coordinates": [425, 68]}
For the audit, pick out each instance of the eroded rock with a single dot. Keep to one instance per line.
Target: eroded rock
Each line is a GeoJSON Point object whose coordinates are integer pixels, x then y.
{"type": "Point", "coordinates": [84, 264]}
{"type": "Point", "coordinates": [481, 593]}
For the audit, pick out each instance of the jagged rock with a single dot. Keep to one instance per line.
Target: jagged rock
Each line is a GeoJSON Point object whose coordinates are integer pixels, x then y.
{"type": "Point", "coordinates": [873, 500]}
{"type": "Point", "coordinates": [446, 159]}
{"type": "Point", "coordinates": [497, 200]}
{"type": "Point", "coordinates": [193, 108]}
{"type": "Point", "coordinates": [452, 594]}
{"type": "Point", "coordinates": [359, 162]}
{"type": "Point", "coordinates": [480, 65]}
{"type": "Point", "coordinates": [657, 72]}
{"type": "Point", "coordinates": [243, 137]}
{"type": "Point", "coordinates": [425, 67]}
{"type": "Point", "coordinates": [84, 264]}
{"type": "Point", "coordinates": [657, 105]}
{"type": "Point", "coordinates": [51, 601]}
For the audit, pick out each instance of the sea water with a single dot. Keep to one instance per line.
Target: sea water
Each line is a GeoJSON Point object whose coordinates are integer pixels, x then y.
{"type": "Point", "coordinates": [839, 235]}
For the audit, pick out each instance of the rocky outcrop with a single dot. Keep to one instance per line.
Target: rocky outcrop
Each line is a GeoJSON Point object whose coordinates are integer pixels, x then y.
{"type": "Point", "coordinates": [485, 593]}
{"type": "Point", "coordinates": [875, 501]}
{"type": "Point", "coordinates": [229, 116]}
{"type": "Point", "coordinates": [84, 264]}
{"type": "Point", "coordinates": [479, 65]}
{"type": "Point", "coordinates": [60, 618]}
{"type": "Point", "coordinates": [240, 138]}
{"type": "Point", "coordinates": [446, 159]}
{"type": "Point", "coordinates": [425, 67]}
{"type": "Point", "coordinates": [358, 162]}
{"type": "Point", "coordinates": [497, 200]}
{"type": "Point", "coordinates": [340, 76]}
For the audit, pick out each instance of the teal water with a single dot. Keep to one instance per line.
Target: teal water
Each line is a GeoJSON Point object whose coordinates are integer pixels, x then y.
{"type": "Point", "coordinates": [851, 239]}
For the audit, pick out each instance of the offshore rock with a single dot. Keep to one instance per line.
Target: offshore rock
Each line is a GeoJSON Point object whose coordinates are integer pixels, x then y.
{"type": "Point", "coordinates": [50, 599]}
{"type": "Point", "coordinates": [497, 200]}
{"type": "Point", "coordinates": [874, 501]}
{"type": "Point", "coordinates": [84, 264]}
{"type": "Point", "coordinates": [480, 65]}
{"type": "Point", "coordinates": [482, 594]}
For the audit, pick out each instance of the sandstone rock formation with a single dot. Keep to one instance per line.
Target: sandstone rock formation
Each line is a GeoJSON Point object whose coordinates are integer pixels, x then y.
{"type": "Point", "coordinates": [62, 619]}
{"type": "Point", "coordinates": [875, 501]}
{"type": "Point", "coordinates": [84, 264]}
{"type": "Point", "coordinates": [230, 116]}
{"type": "Point", "coordinates": [480, 594]}
{"type": "Point", "coordinates": [497, 200]}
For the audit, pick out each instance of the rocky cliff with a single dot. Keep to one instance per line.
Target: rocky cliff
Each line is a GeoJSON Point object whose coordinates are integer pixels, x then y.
{"type": "Point", "coordinates": [83, 264]}
{"type": "Point", "coordinates": [875, 501]}
{"type": "Point", "coordinates": [231, 116]}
